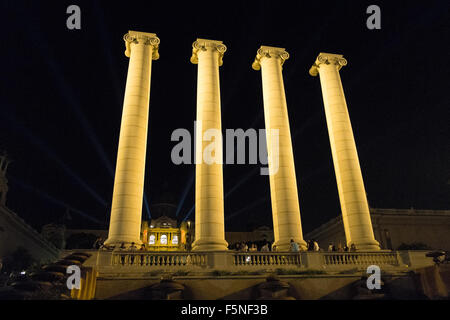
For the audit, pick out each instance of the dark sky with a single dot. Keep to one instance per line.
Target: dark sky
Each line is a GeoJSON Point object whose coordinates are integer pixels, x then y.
{"type": "Point", "coordinates": [62, 92]}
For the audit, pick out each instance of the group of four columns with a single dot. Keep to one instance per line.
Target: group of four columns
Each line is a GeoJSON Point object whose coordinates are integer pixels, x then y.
{"type": "Point", "coordinates": [125, 222]}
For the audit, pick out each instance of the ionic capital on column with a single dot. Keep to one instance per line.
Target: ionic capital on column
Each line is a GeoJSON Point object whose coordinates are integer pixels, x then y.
{"type": "Point", "coordinates": [327, 58]}
{"type": "Point", "coordinates": [142, 37]}
{"type": "Point", "coordinates": [204, 45]}
{"type": "Point", "coordinates": [269, 52]}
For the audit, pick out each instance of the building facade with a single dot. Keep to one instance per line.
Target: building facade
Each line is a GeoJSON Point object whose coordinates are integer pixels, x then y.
{"type": "Point", "coordinates": [394, 228]}
{"type": "Point", "coordinates": [163, 234]}
{"type": "Point", "coordinates": [15, 232]}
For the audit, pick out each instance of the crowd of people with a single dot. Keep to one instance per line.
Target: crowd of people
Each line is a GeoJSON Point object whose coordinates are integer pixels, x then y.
{"type": "Point", "coordinates": [313, 245]}
{"type": "Point", "coordinates": [266, 246]}
{"type": "Point", "coordinates": [99, 244]}
{"type": "Point", "coordinates": [249, 246]}
{"type": "Point", "coordinates": [340, 248]}
{"type": "Point", "coordinates": [263, 246]}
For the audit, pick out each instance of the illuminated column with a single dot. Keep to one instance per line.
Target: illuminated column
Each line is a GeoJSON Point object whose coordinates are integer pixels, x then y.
{"type": "Point", "coordinates": [126, 210]}
{"type": "Point", "coordinates": [283, 183]}
{"type": "Point", "coordinates": [352, 195]}
{"type": "Point", "coordinates": [209, 209]}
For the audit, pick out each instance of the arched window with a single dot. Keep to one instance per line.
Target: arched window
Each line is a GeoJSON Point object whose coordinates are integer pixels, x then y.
{"type": "Point", "coordinates": [175, 239]}
{"type": "Point", "coordinates": [163, 239]}
{"type": "Point", "coordinates": [151, 239]}
{"type": "Point", "coordinates": [388, 239]}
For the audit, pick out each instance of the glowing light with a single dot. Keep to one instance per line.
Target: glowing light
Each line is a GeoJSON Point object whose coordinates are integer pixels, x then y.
{"type": "Point", "coordinates": [147, 207]}
{"type": "Point", "coordinates": [185, 193]}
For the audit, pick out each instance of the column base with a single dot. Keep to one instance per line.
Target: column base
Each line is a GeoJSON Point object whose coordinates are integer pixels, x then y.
{"type": "Point", "coordinates": [209, 245]}
{"type": "Point", "coordinates": [285, 245]}
{"type": "Point", "coordinates": [365, 245]}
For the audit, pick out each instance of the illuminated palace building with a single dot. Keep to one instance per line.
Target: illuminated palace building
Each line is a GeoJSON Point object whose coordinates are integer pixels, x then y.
{"type": "Point", "coordinates": [163, 234]}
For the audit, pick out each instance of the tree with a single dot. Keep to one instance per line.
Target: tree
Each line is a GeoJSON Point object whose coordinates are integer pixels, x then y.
{"type": "Point", "coordinates": [18, 260]}
{"type": "Point", "coordinates": [81, 240]}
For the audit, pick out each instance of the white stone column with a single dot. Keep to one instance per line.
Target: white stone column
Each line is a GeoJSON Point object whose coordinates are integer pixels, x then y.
{"type": "Point", "coordinates": [283, 183]}
{"type": "Point", "coordinates": [209, 208]}
{"type": "Point", "coordinates": [126, 210]}
{"type": "Point", "coordinates": [352, 195]}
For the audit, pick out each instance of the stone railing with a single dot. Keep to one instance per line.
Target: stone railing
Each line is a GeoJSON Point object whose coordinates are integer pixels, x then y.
{"type": "Point", "coordinates": [267, 259]}
{"type": "Point", "coordinates": [359, 258]}
{"type": "Point", "coordinates": [235, 260]}
{"type": "Point", "coordinates": [162, 248]}
{"type": "Point", "coordinates": [158, 259]}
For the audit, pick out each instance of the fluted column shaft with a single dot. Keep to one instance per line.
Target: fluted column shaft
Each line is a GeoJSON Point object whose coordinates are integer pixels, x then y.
{"type": "Point", "coordinates": [209, 206]}
{"type": "Point", "coordinates": [126, 210]}
{"type": "Point", "coordinates": [283, 183]}
{"type": "Point", "coordinates": [352, 194]}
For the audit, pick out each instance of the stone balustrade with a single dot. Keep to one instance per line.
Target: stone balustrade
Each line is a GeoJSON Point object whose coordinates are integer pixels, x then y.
{"type": "Point", "coordinates": [158, 259]}
{"type": "Point", "coordinates": [267, 259]}
{"type": "Point", "coordinates": [359, 258]}
{"type": "Point", "coordinates": [235, 260]}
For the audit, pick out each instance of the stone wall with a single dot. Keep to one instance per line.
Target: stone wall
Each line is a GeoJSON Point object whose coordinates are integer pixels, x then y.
{"type": "Point", "coordinates": [15, 232]}
{"type": "Point", "coordinates": [392, 227]}
{"type": "Point", "coordinates": [223, 275]}
{"type": "Point", "coordinates": [301, 287]}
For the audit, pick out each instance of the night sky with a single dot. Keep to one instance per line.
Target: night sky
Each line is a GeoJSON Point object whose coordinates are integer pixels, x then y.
{"type": "Point", "coordinates": [62, 93]}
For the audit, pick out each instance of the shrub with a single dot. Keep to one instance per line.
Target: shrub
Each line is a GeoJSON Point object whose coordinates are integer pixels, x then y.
{"type": "Point", "coordinates": [219, 273]}
{"type": "Point", "coordinates": [81, 240]}
{"type": "Point", "coordinates": [414, 246]}
{"type": "Point", "coordinates": [298, 272]}
{"type": "Point", "coordinates": [19, 260]}
{"type": "Point", "coordinates": [246, 272]}
{"type": "Point", "coordinates": [349, 271]}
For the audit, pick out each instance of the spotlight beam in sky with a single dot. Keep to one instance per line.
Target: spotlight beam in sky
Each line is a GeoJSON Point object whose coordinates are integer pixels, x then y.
{"type": "Point", "coordinates": [89, 131]}
{"type": "Point", "coordinates": [189, 213]}
{"type": "Point", "coordinates": [104, 36]}
{"type": "Point", "coordinates": [147, 207]}
{"type": "Point", "coordinates": [53, 200]}
{"type": "Point", "coordinates": [250, 206]}
{"type": "Point", "coordinates": [247, 177]}
{"type": "Point", "coordinates": [186, 192]}
{"type": "Point", "coordinates": [52, 155]}
{"type": "Point", "coordinates": [254, 171]}
{"type": "Point", "coordinates": [68, 94]}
